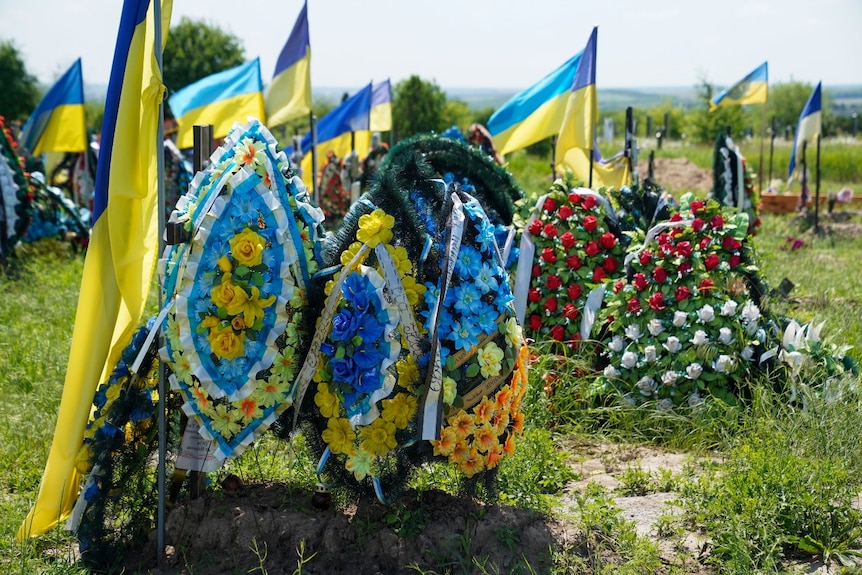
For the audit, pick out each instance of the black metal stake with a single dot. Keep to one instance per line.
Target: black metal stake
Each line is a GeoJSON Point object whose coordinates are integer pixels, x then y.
{"type": "Point", "coordinates": [817, 190]}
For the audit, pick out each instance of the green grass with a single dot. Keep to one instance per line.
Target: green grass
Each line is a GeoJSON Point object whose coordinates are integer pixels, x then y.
{"type": "Point", "coordinates": [810, 455]}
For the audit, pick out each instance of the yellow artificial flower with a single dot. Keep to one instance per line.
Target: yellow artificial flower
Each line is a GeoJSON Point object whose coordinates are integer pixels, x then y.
{"type": "Point", "coordinates": [237, 323]}
{"type": "Point", "coordinates": [249, 409]}
{"type": "Point", "coordinates": [379, 437]}
{"type": "Point", "coordinates": [484, 411]}
{"type": "Point", "coordinates": [490, 359]}
{"type": "Point", "coordinates": [252, 308]}
{"type": "Point", "coordinates": [339, 436]}
{"type": "Point", "coordinates": [328, 287]}
{"type": "Point", "coordinates": [113, 392]}
{"type": "Point", "coordinates": [399, 410]}
{"type": "Point", "coordinates": [447, 442]}
{"type": "Point", "coordinates": [485, 438]}
{"type": "Point", "coordinates": [350, 253]}
{"type": "Point", "coordinates": [450, 390]}
{"type": "Point", "coordinates": [326, 401]}
{"type": "Point", "coordinates": [514, 333]}
{"type": "Point", "coordinates": [412, 290]}
{"type": "Point", "coordinates": [463, 424]}
{"type": "Point", "coordinates": [225, 264]}
{"type": "Point", "coordinates": [494, 457]}
{"type": "Point", "coordinates": [509, 447]}
{"type": "Point", "coordinates": [225, 343]}
{"type": "Point", "coordinates": [360, 463]}
{"type": "Point", "coordinates": [401, 259]}
{"type": "Point", "coordinates": [472, 464]}
{"type": "Point", "coordinates": [375, 228]}
{"type": "Point", "coordinates": [82, 460]}
{"type": "Point", "coordinates": [247, 248]}
{"type": "Point", "coordinates": [408, 372]}
{"type": "Point", "coordinates": [224, 421]}
{"type": "Point", "coordinates": [202, 397]}
{"type": "Point", "coordinates": [284, 364]}
{"type": "Point", "coordinates": [250, 152]}
{"type": "Point", "coordinates": [270, 393]}
{"type": "Point", "coordinates": [181, 367]}
{"type": "Point", "coordinates": [228, 295]}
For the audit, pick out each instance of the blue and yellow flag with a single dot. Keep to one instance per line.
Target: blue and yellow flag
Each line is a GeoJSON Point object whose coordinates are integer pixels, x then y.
{"type": "Point", "coordinates": [57, 124]}
{"type": "Point", "coordinates": [536, 113]}
{"type": "Point", "coordinates": [379, 118]}
{"type": "Point", "coordinates": [808, 128]}
{"type": "Point", "coordinates": [335, 130]}
{"type": "Point", "coordinates": [753, 89]}
{"type": "Point", "coordinates": [289, 94]}
{"type": "Point", "coordinates": [220, 99]}
{"type": "Point", "coordinates": [118, 269]}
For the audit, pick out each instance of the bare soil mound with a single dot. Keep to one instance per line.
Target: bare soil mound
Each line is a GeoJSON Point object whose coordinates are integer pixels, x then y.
{"type": "Point", "coordinates": [678, 175]}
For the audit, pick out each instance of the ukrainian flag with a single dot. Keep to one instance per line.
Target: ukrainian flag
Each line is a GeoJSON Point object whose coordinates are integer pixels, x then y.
{"type": "Point", "coordinates": [808, 129]}
{"type": "Point", "coordinates": [750, 90]}
{"type": "Point", "coordinates": [57, 124]}
{"type": "Point", "coordinates": [379, 118]}
{"type": "Point", "coordinates": [220, 99]}
{"type": "Point", "coordinates": [535, 113]}
{"type": "Point", "coordinates": [289, 94]}
{"type": "Point", "coordinates": [335, 130]}
{"type": "Point", "coordinates": [122, 252]}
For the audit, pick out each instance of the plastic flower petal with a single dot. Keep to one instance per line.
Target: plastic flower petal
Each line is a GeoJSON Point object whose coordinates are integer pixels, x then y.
{"type": "Point", "coordinates": [339, 436]}
{"type": "Point", "coordinates": [490, 359]}
{"type": "Point", "coordinates": [375, 228]}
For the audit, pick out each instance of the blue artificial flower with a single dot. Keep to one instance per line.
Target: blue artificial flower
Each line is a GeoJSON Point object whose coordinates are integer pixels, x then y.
{"type": "Point", "coordinates": [486, 279]}
{"type": "Point", "coordinates": [107, 431]}
{"type": "Point", "coordinates": [449, 178]}
{"type": "Point", "coordinates": [468, 299]}
{"type": "Point", "coordinates": [469, 262]}
{"type": "Point", "coordinates": [327, 349]}
{"type": "Point", "coordinates": [343, 370]}
{"type": "Point", "coordinates": [486, 319]}
{"type": "Point", "coordinates": [345, 324]}
{"type": "Point", "coordinates": [370, 328]}
{"type": "Point", "coordinates": [504, 298]}
{"type": "Point", "coordinates": [358, 291]}
{"type": "Point", "coordinates": [367, 357]}
{"type": "Point", "coordinates": [233, 369]}
{"type": "Point", "coordinates": [141, 413]}
{"type": "Point", "coordinates": [101, 396]}
{"type": "Point", "coordinates": [487, 238]}
{"type": "Point", "coordinates": [92, 491]}
{"type": "Point", "coordinates": [368, 381]}
{"type": "Point", "coordinates": [463, 334]}
{"type": "Point", "coordinates": [473, 208]}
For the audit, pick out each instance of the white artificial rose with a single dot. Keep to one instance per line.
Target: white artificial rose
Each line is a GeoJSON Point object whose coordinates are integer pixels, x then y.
{"type": "Point", "coordinates": [725, 336]}
{"type": "Point", "coordinates": [672, 344]}
{"type": "Point", "coordinates": [723, 364]}
{"type": "Point", "coordinates": [706, 314]}
{"type": "Point", "coordinates": [665, 404]}
{"type": "Point", "coordinates": [694, 400]}
{"type": "Point", "coordinates": [655, 326]}
{"type": "Point", "coordinates": [699, 338]}
{"type": "Point", "coordinates": [633, 332]}
{"type": "Point", "coordinates": [729, 308]}
{"type": "Point", "coordinates": [669, 378]}
{"type": "Point", "coordinates": [750, 313]}
{"type": "Point", "coordinates": [679, 318]}
{"type": "Point", "coordinates": [611, 372]}
{"type": "Point", "coordinates": [617, 344]}
{"type": "Point", "coordinates": [693, 371]}
{"type": "Point", "coordinates": [629, 360]}
{"type": "Point", "coordinates": [650, 353]}
{"type": "Point", "coordinates": [747, 353]}
{"type": "Point", "coordinates": [646, 385]}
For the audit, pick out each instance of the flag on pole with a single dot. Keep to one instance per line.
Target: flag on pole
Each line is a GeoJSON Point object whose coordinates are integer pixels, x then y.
{"type": "Point", "coordinates": [122, 252]}
{"type": "Point", "coordinates": [57, 124]}
{"type": "Point", "coordinates": [379, 118]}
{"type": "Point", "coordinates": [753, 89]}
{"type": "Point", "coordinates": [535, 113]}
{"type": "Point", "coordinates": [334, 129]}
{"type": "Point", "coordinates": [289, 94]}
{"type": "Point", "coordinates": [808, 128]}
{"type": "Point", "coordinates": [219, 99]}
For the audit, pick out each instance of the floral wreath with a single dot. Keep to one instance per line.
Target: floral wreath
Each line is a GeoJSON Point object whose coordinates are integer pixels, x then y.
{"type": "Point", "coordinates": [334, 196]}
{"type": "Point", "coordinates": [575, 252]}
{"type": "Point", "coordinates": [234, 329]}
{"type": "Point", "coordinates": [17, 192]}
{"type": "Point", "coordinates": [683, 326]}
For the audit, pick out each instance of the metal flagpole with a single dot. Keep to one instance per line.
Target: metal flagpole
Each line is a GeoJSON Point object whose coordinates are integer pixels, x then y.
{"type": "Point", "coordinates": [817, 189]}
{"type": "Point", "coordinates": [160, 163]}
{"type": "Point", "coordinates": [313, 127]}
{"type": "Point", "coordinates": [553, 158]}
{"type": "Point", "coordinates": [760, 164]}
{"type": "Point", "coordinates": [771, 147]}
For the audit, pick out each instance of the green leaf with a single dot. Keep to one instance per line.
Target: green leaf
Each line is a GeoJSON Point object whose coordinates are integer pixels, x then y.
{"type": "Point", "coordinates": [473, 370]}
{"type": "Point", "coordinates": [257, 279]}
{"type": "Point", "coordinates": [241, 271]}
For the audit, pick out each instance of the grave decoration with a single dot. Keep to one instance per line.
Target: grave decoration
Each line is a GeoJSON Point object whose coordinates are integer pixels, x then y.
{"type": "Point", "coordinates": [16, 194]}
{"type": "Point", "coordinates": [733, 181]}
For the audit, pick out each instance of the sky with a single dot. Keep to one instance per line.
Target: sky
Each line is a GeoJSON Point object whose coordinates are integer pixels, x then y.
{"type": "Point", "coordinates": [488, 44]}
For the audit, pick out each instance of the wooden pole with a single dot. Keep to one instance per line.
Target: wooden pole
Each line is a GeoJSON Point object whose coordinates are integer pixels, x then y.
{"type": "Point", "coordinates": [817, 189]}
{"type": "Point", "coordinates": [803, 199]}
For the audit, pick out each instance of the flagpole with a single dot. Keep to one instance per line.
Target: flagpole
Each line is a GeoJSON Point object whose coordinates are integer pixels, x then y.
{"type": "Point", "coordinates": [817, 189]}
{"type": "Point", "coordinates": [160, 182]}
{"type": "Point", "coordinates": [592, 151]}
{"type": "Point", "coordinates": [760, 163]}
{"type": "Point", "coordinates": [771, 148]}
{"type": "Point", "coordinates": [553, 158]}
{"type": "Point", "coordinates": [313, 126]}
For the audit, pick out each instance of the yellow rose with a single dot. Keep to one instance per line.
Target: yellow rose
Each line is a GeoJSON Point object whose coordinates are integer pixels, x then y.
{"type": "Point", "coordinates": [247, 248]}
{"type": "Point", "coordinates": [225, 343]}
{"type": "Point", "coordinates": [229, 296]}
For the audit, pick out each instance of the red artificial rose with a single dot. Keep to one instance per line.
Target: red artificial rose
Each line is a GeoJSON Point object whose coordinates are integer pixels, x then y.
{"type": "Point", "coordinates": [697, 224]}
{"type": "Point", "coordinates": [551, 305]}
{"type": "Point", "coordinates": [645, 257]}
{"type": "Point", "coordinates": [573, 262]}
{"type": "Point", "coordinates": [534, 295]}
{"type": "Point", "coordinates": [574, 291]}
{"type": "Point", "coordinates": [608, 240]}
{"type": "Point", "coordinates": [598, 275]}
{"type": "Point", "coordinates": [553, 282]}
{"type": "Point", "coordinates": [558, 332]}
{"type": "Point", "coordinates": [565, 212]}
{"type": "Point", "coordinates": [535, 322]}
{"type": "Point", "coordinates": [549, 231]}
{"type": "Point", "coordinates": [611, 264]}
{"type": "Point", "coordinates": [682, 293]}
{"type": "Point", "coordinates": [549, 256]}
{"type": "Point", "coordinates": [711, 261]}
{"type": "Point", "coordinates": [590, 223]}
{"type": "Point", "coordinates": [704, 242]}
{"type": "Point", "coordinates": [683, 249]}
{"type": "Point", "coordinates": [535, 227]}
{"type": "Point", "coordinates": [656, 301]}
{"type": "Point", "coordinates": [537, 270]}
{"type": "Point", "coordinates": [618, 286]}
{"type": "Point", "coordinates": [659, 275]}
{"type": "Point", "coordinates": [575, 198]}
{"type": "Point", "coordinates": [683, 268]}
{"type": "Point", "coordinates": [717, 222]}
{"type": "Point", "coordinates": [589, 202]}
{"type": "Point", "coordinates": [571, 311]}
{"type": "Point", "coordinates": [734, 261]}
{"type": "Point", "coordinates": [731, 244]}
{"type": "Point", "coordinates": [634, 305]}
{"type": "Point", "coordinates": [640, 281]}
{"type": "Point", "coordinates": [550, 205]}
{"type": "Point", "coordinates": [696, 207]}
{"type": "Point", "coordinates": [676, 217]}
{"type": "Point", "coordinates": [592, 248]}
{"type": "Point", "coordinates": [567, 239]}
{"type": "Point", "coordinates": [706, 286]}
